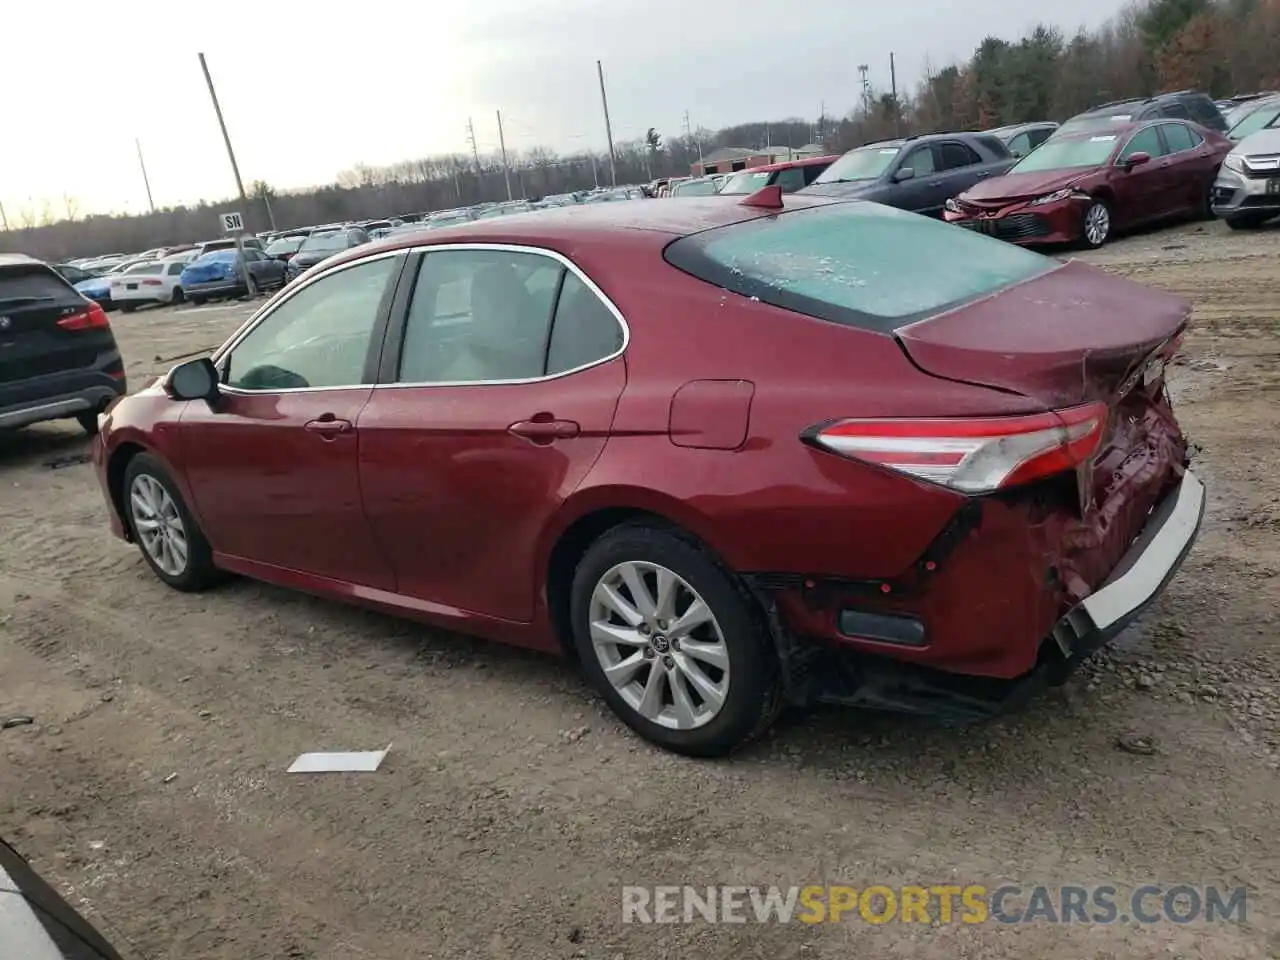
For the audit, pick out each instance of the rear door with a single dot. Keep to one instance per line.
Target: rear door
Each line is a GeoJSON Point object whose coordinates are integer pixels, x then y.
{"type": "Point", "coordinates": [33, 299]}
{"type": "Point", "coordinates": [1190, 164]}
{"type": "Point", "coordinates": [959, 166]}
{"type": "Point", "coordinates": [495, 402]}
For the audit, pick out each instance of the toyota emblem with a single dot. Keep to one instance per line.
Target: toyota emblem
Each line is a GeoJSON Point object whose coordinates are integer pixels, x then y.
{"type": "Point", "coordinates": [5, 323]}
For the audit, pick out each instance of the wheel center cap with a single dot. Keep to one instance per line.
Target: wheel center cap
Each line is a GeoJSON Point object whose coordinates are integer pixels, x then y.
{"type": "Point", "coordinates": [660, 643]}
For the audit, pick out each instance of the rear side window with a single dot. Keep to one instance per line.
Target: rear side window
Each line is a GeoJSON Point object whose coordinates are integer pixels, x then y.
{"type": "Point", "coordinates": [994, 144]}
{"type": "Point", "coordinates": [813, 171]}
{"type": "Point", "coordinates": [1039, 136]}
{"type": "Point", "coordinates": [1175, 109]}
{"type": "Point", "coordinates": [952, 155]}
{"type": "Point", "coordinates": [584, 329]}
{"type": "Point", "coordinates": [791, 179]}
{"type": "Point", "coordinates": [859, 264]}
{"type": "Point", "coordinates": [33, 284]}
{"type": "Point", "coordinates": [1180, 137]}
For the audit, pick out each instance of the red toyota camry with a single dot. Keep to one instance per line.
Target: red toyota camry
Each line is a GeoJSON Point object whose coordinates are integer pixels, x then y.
{"type": "Point", "coordinates": [730, 454]}
{"type": "Point", "coordinates": [1083, 187]}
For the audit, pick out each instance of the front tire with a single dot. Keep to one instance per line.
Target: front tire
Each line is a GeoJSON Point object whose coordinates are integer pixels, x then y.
{"type": "Point", "coordinates": [88, 422]}
{"type": "Point", "coordinates": [167, 534]}
{"type": "Point", "coordinates": [1246, 221]}
{"type": "Point", "coordinates": [673, 642]}
{"type": "Point", "coordinates": [1096, 228]}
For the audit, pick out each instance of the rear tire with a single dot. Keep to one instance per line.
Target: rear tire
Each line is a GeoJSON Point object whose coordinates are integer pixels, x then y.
{"type": "Point", "coordinates": [1206, 203]}
{"type": "Point", "coordinates": [693, 706]}
{"type": "Point", "coordinates": [1246, 221]}
{"type": "Point", "coordinates": [128, 307]}
{"type": "Point", "coordinates": [163, 528]}
{"type": "Point", "coordinates": [178, 296]}
{"type": "Point", "coordinates": [198, 300]}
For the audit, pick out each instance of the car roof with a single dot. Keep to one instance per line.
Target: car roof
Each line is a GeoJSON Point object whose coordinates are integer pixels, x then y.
{"type": "Point", "coordinates": [18, 260]}
{"type": "Point", "coordinates": [644, 223]}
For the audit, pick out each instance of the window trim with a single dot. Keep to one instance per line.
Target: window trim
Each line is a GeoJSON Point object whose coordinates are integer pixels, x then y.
{"type": "Point", "coordinates": [952, 141]}
{"type": "Point", "coordinates": [389, 366]}
{"type": "Point", "coordinates": [377, 341]}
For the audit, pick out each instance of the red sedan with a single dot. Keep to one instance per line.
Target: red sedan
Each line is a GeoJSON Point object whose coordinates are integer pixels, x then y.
{"type": "Point", "coordinates": [729, 453]}
{"type": "Point", "coordinates": [1083, 187]}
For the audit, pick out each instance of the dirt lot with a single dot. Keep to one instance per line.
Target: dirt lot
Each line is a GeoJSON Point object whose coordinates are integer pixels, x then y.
{"type": "Point", "coordinates": [512, 807]}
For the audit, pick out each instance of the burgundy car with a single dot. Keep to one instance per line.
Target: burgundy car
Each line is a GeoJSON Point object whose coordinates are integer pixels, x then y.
{"type": "Point", "coordinates": [731, 454]}
{"type": "Point", "coordinates": [1080, 187]}
{"type": "Point", "coordinates": [790, 175]}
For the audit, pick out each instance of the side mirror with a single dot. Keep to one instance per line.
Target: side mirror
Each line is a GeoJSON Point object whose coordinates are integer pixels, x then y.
{"type": "Point", "coordinates": [193, 380]}
{"type": "Point", "coordinates": [1136, 160]}
{"type": "Point", "coordinates": [906, 173]}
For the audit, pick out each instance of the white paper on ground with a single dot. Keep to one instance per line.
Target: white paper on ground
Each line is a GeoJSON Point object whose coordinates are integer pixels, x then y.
{"type": "Point", "coordinates": [362, 761]}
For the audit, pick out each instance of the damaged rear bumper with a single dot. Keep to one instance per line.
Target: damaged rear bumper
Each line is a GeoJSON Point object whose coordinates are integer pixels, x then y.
{"type": "Point", "coordinates": [830, 674]}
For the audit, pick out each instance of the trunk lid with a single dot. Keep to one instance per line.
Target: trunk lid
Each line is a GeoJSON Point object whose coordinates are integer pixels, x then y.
{"type": "Point", "coordinates": [1072, 335]}
{"type": "Point", "coordinates": [33, 298]}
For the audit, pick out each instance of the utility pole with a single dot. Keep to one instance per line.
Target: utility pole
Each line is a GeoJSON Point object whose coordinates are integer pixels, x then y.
{"type": "Point", "coordinates": [893, 86]}
{"type": "Point", "coordinates": [475, 153]}
{"type": "Point", "coordinates": [4, 219]}
{"type": "Point", "coordinates": [506, 168]}
{"type": "Point", "coordinates": [866, 103]}
{"type": "Point", "coordinates": [608, 128]}
{"type": "Point", "coordinates": [235, 169]}
{"type": "Point", "coordinates": [688, 132]}
{"type": "Point", "coordinates": [146, 182]}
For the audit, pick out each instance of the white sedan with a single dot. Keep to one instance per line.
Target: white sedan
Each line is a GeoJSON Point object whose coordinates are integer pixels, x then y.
{"type": "Point", "coordinates": [153, 282]}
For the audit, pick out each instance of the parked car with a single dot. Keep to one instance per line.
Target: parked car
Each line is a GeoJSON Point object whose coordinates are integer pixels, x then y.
{"type": "Point", "coordinates": [1234, 109]}
{"type": "Point", "coordinates": [1083, 187]}
{"type": "Point", "coordinates": [790, 175]}
{"type": "Point", "coordinates": [38, 924]}
{"type": "Point", "coordinates": [917, 173]}
{"type": "Point", "coordinates": [1246, 193]}
{"type": "Point", "coordinates": [1179, 105]}
{"type": "Point", "coordinates": [321, 246]}
{"type": "Point", "coordinates": [1022, 138]}
{"type": "Point", "coordinates": [72, 273]}
{"type": "Point", "coordinates": [1256, 115]}
{"type": "Point", "coordinates": [98, 287]}
{"type": "Point", "coordinates": [221, 273]}
{"type": "Point", "coordinates": [58, 356]}
{"type": "Point", "coordinates": [158, 281]}
{"type": "Point", "coordinates": [855, 480]}
{"type": "Point", "coordinates": [694, 187]}
{"type": "Point", "coordinates": [283, 248]}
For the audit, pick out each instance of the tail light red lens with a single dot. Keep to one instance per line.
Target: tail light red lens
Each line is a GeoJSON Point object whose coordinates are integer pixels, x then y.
{"type": "Point", "coordinates": [972, 454]}
{"type": "Point", "coordinates": [152, 283]}
{"type": "Point", "coordinates": [94, 318]}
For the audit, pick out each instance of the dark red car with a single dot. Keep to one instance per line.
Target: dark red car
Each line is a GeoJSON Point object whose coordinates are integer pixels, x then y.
{"type": "Point", "coordinates": [790, 175]}
{"type": "Point", "coordinates": [731, 453]}
{"type": "Point", "coordinates": [1082, 187]}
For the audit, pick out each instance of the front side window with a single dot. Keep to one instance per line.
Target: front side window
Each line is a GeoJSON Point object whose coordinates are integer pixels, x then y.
{"type": "Point", "coordinates": [790, 180]}
{"type": "Point", "coordinates": [319, 337]}
{"type": "Point", "coordinates": [1020, 145]}
{"type": "Point", "coordinates": [479, 316]}
{"type": "Point", "coordinates": [1144, 141]}
{"type": "Point", "coordinates": [920, 161]}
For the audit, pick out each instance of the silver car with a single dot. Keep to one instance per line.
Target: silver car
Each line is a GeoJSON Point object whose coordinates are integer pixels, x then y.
{"type": "Point", "coordinates": [1247, 191]}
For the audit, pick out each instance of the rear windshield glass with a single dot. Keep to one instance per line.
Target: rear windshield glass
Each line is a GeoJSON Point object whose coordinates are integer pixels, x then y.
{"type": "Point", "coordinates": [859, 264]}
{"type": "Point", "coordinates": [33, 283]}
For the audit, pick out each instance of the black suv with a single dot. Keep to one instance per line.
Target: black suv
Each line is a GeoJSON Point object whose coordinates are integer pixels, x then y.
{"type": "Point", "coordinates": [1181, 104]}
{"type": "Point", "coordinates": [919, 174]}
{"type": "Point", "coordinates": [58, 356]}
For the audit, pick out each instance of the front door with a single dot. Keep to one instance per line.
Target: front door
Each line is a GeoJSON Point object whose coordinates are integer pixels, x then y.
{"type": "Point", "coordinates": [274, 467]}
{"type": "Point", "coordinates": [1143, 192]}
{"type": "Point", "coordinates": [508, 374]}
{"type": "Point", "coordinates": [919, 193]}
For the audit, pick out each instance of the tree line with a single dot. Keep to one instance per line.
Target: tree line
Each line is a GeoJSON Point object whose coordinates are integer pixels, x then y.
{"type": "Point", "coordinates": [1218, 46]}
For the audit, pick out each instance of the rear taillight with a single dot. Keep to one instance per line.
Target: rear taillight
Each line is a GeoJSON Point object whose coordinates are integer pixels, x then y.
{"type": "Point", "coordinates": [152, 283]}
{"type": "Point", "coordinates": [972, 455]}
{"type": "Point", "coordinates": [94, 318]}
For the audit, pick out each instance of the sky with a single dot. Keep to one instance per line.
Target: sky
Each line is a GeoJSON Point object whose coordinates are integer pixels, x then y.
{"type": "Point", "coordinates": [308, 90]}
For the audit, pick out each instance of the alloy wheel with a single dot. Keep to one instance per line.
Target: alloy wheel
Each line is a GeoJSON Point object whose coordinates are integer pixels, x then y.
{"type": "Point", "coordinates": [159, 525]}
{"type": "Point", "coordinates": [659, 645]}
{"type": "Point", "coordinates": [1097, 224]}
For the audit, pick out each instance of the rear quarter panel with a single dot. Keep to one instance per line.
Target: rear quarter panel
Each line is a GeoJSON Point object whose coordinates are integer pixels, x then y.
{"type": "Point", "coordinates": [774, 504]}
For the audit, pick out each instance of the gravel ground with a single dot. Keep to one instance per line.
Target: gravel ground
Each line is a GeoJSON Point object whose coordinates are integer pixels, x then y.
{"type": "Point", "coordinates": [512, 807]}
